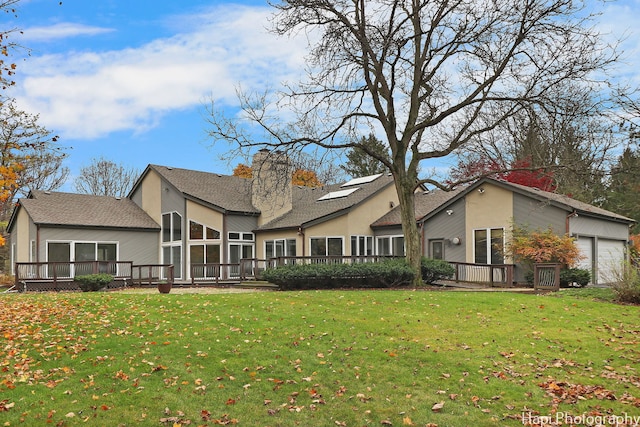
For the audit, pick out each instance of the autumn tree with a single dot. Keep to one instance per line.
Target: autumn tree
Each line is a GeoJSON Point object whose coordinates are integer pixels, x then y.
{"type": "Point", "coordinates": [302, 177]}
{"type": "Point", "coordinates": [531, 247]}
{"type": "Point", "coordinates": [106, 178]}
{"type": "Point", "coordinates": [30, 157]}
{"type": "Point", "coordinates": [433, 76]}
{"type": "Point", "coordinates": [361, 163]}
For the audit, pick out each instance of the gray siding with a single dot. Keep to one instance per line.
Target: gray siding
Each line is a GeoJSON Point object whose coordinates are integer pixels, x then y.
{"type": "Point", "coordinates": [242, 223]}
{"type": "Point", "coordinates": [140, 247]}
{"type": "Point", "coordinates": [389, 231]}
{"type": "Point", "coordinates": [535, 214]}
{"type": "Point", "coordinates": [172, 200]}
{"type": "Point", "coordinates": [446, 227]}
{"type": "Point", "coordinates": [585, 226]}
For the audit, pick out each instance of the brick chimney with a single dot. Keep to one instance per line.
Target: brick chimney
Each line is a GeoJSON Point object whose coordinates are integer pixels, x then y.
{"type": "Point", "coordinates": [271, 184]}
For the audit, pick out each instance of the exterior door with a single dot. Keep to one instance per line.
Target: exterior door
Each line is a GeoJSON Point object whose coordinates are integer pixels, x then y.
{"type": "Point", "coordinates": [436, 249]}
{"type": "Point", "coordinates": [611, 255]}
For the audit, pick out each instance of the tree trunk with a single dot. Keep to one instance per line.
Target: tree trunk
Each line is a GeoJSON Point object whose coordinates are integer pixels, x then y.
{"type": "Point", "coordinates": [405, 187]}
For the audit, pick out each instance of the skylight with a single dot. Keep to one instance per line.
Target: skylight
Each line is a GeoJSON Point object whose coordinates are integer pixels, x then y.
{"type": "Point", "coordinates": [338, 194]}
{"type": "Point", "coordinates": [361, 180]}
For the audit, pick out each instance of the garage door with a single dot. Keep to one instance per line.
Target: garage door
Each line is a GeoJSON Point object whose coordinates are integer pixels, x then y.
{"type": "Point", "coordinates": [585, 244]}
{"type": "Point", "coordinates": [610, 260]}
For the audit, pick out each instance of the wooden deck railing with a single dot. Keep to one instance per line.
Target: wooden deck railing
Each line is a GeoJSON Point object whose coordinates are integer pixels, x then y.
{"type": "Point", "coordinates": [152, 274]}
{"type": "Point", "coordinates": [498, 275]}
{"type": "Point", "coordinates": [546, 277]}
{"type": "Point", "coordinates": [57, 276]}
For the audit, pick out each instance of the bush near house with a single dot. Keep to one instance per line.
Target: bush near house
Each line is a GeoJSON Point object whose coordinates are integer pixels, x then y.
{"type": "Point", "coordinates": [386, 274]}
{"type": "Point", "coordinates": [433, 270]}
{"type": "Point", "coordinates": [93, 282]}
{"type": "Point", "coordinates": [574, 277]}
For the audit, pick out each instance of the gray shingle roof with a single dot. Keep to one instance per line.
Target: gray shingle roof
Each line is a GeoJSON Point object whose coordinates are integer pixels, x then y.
{"type": "Point", "coordinates": [425, 203]}
{"type": "Point", "coordinates": [307, 208]}
{"type": "Point", "coordinates": [562, 200]}
{"type": "Point", "coordinates": [430, 202]}
{"type": "Point", "coordinates": [69, 209]}
{"type": "Point", "coordinates": [227, 192]}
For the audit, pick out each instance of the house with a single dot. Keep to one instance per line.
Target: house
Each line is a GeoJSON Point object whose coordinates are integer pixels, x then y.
{"type": "Point", "coordinates": [471, 224]}
{"type": "Point", "coordinates": [190, 218]}
{"type": "Point", "coordinates": [194, 219]}
{"type": "Point", "coordinates": [63, 227]}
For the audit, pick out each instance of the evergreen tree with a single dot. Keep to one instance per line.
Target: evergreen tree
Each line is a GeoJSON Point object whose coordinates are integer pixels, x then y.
{"type": "Point", "coordinates": [360, 162]}
{"type": "Point", "coordinates": [624, 186]}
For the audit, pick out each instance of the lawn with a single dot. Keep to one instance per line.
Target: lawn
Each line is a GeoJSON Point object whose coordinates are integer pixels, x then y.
{"type": "Point", "coordinates": [325, 358]}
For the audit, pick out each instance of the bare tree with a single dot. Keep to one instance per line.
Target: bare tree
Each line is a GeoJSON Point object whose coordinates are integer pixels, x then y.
{"type": "Point", "coordinates": [30, 156]}
{"type": "Point", "coordinates": [106, 178]}
{"type": "Point", "coordinates": [431, 75]}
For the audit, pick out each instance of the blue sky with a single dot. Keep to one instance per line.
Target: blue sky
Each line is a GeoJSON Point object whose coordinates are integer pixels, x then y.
{"type": "Point", "coordinates": [127, 80]}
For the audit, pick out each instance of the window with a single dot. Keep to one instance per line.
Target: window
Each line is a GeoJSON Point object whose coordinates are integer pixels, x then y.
{"type": "Point", "coordinates": [32, 251]}
{"type": "Point", "coordinates": [204, 254]}
{"type": "Point", "coordinates": [67, 252]}
{"type": "Point", "coordinates": [198, 231]}
{"type": "Point", "coordinates": [323, 246]}
{"type": "Point", "coordinates": [279, 247]}
{"type": "Point", "coordinates": [173, 255]}
{"type": "Point", "coordinates": [361, 245]}
{"type": "Point", "coordinates": [235, 235]}
{"type": "Point", "coordinates": [437, 249]}
{"type": "Point", "coordinates": [171, 227]}
{"type": "Point", "coordinates": [488, 246]}
{"type": "Point", "coordinates": [391, 245]}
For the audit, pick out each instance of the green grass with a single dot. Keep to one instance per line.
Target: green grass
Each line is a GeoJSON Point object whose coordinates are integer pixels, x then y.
{"type": "Point", "coordinates": [351, 358]}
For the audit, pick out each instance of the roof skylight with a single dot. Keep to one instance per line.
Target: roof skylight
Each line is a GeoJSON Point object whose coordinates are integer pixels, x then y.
{"type": "Point", "coordinates": [361, 180]}
{"type": "Point", "coordinates": [338, 194]}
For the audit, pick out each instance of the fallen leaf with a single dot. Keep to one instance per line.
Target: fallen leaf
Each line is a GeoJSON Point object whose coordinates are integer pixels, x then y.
{"type": "Point", "coordinates": [437, 407]}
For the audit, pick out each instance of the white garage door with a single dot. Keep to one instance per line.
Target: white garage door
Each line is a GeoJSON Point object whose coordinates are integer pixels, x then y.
{"type": "Point", "coordinates": [610, 259]}
{"type": "Point", "coordinates": [585, 244]}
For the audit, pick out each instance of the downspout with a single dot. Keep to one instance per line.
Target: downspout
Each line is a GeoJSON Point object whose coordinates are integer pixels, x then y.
{"type": "Point", "coordinates": [573, 214]}
{"type": "Point", "coordinates": [301, 234]}
{"type": "Point", "coordinates": [422, 242]}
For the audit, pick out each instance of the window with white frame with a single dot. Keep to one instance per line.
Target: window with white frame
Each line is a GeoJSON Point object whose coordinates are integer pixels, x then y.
{"type": "Point", "coordinates": [326, 246]}
{"type": "Point", "coordinates": [199, 231]}
{"type": "Point", "coordinates": [171, 227]}
{"type": "Point", "coordinates": [390, 245]}
{"type": "Point", "coordinates": [172, 241]}
{"type": "Point", "coordinates": [279, 247]}
{"type": "Point", "coordinates": [362, 245]}
{"type": "Point", "coordinates": [488, 245]}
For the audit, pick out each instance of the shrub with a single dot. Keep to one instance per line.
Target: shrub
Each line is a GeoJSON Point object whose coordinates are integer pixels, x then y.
{"type": "Point", "coordinates": [574, 277]}
{"type": "Point", "coordinates": [627, 285]}
{"type": "Point", "coordinates": [433, 270]}
{"type": "Point", "coordinates": [542, 246]}
{"type": "Point", "coordinates": [329, 276]}
{"type": "Point", "coordinates": [93, 282]}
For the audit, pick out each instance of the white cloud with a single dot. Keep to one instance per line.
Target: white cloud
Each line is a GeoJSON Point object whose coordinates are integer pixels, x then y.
{"type": "Point", "coordinates": [61, 30]}
{"type": "Point", "coordinates": [91, 94]}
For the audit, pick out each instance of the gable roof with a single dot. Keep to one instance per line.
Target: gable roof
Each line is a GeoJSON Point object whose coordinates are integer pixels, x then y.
{"type": "Point", "coordinates": [429, 203]}
{"type": "Point", "coordinates": [84, 210]}
{"type": "Point", "coordinates": [226, 192]}
{"type": "Point", "coordinates": [559, 200]}
{"type": "Point", "coordinates": [307, 209]}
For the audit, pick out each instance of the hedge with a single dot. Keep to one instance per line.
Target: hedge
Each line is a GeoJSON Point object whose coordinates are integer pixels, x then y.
{"type": "Point", "coordinates": [386, 274]}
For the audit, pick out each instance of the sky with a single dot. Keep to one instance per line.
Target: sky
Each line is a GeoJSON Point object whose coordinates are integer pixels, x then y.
{"type": "Point", "coordinates": [129, 80]}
